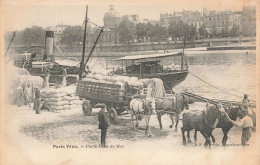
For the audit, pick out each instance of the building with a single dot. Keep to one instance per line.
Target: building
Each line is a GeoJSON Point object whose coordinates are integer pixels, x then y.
{"type": "Point", "coordinates": [193, 18]}
{"type": "Point", "coordinates": [111, 21]}
{"type": "Point", "coordinates": [248, 21]}
{"type": "Point", "coordinates": [165, 19]}
{"type": "Point", "coordinates": [220, 22]}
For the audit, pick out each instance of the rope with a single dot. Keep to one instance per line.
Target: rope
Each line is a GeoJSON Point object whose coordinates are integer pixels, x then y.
{"type": "Point", "coordinates": [100, 46]}
{"type": "Point", "coordinates": [93, 23]}
{"type": "Point", "coordinates": [216, 87]}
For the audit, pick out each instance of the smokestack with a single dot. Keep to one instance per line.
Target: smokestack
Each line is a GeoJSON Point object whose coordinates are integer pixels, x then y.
{"type": "Point", "coordinates": [49, 44]}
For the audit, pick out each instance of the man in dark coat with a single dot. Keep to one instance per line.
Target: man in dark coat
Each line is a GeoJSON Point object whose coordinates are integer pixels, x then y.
{"type": "Point", "coordinates": [37, 101]}
{"type": "Point", "coordinates": [103, 123]}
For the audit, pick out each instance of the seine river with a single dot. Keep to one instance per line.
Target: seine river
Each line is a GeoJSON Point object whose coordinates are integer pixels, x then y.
{"type": "Point", "coordinates": [233, 71]}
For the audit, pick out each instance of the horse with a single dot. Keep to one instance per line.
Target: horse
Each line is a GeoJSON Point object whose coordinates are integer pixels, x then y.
{"type": "Point", "coordinates": [203, 121]}
{"type": "Point", "coordinates": [233, 113]}
{"type": "Point", "coordinates": [176, 105]}
{"type": "Point", "coordinates": [142, 107]}
{"type": "Point", "coordinates": [146, 107]}
{"type": "Point", "coordinates": [225, 125]}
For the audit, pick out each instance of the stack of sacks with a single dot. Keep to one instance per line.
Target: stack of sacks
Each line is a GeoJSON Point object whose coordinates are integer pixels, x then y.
{"type": "Point", "coordinates": [56, 100]}
{"type": "Point", "coordinates": [45, 92]}
{"type": "Point", "coordinates": [62, 98]}
{"type": "Point", "coordinates": [74, 102]}
{"type": "Point", "coordinates": [117, 79]}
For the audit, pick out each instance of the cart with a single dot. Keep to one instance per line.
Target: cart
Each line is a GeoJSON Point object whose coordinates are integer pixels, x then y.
{"type": "Point", "coordinates": [115, 96]}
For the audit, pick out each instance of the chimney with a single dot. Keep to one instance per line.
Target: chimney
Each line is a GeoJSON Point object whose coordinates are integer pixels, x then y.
{"type": "Point", "coordinates": [49, 44]}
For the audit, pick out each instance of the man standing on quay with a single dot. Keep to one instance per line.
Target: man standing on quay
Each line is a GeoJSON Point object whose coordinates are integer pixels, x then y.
{"type": "Point", "coordinates": [37, 101]}
{"type": "Point", "coordinates": [103, 123]}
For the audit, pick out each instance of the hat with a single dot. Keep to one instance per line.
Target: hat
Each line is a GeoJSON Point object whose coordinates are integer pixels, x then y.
{"type": "Point", "coordinates": [100, 105]}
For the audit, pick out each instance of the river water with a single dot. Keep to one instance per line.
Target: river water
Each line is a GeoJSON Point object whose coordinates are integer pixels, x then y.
{"type": "Point", "coordinates": [233, 71]}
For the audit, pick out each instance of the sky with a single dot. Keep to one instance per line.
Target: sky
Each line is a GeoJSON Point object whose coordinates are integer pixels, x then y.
{"type": "Point", "coordinates": [20, 14]}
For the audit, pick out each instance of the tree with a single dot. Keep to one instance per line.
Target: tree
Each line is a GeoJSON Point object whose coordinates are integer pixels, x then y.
{"type": "Point", "coordinates": [158, 33]}
{"type": "Point", "coordinates": [141, 30]}
{"type": "Point", "coordinates": [234, 32]}
{"type": "Point", "coordinates": [191, 33]}
{"type": "Point", "coordinates": [203, 31]}
{"type": "Point", "coordinates": [177, 29]}
{"type": "Point", "coordinates": [172, 29]}
{"type": "Point", "coordinates": [17, 39]}
{"type": "Point", "coordinates": [72, 35]}
{"type": "Point", "coordinates": [149, 29]}
{"type": "Point", "coordinates": [126, 30]}
{"type": "Point", "coordinates": [33, 36]}
{"type": "Point", "coordinates": [214, 31]}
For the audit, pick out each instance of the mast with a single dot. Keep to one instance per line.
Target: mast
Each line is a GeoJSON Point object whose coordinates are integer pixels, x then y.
{"type": "Point", "coordinates": [182, 56]}
{"type": "Point", "coordinates": [10, 44]}
{"type": "Point", "coordinates": [82, 66]}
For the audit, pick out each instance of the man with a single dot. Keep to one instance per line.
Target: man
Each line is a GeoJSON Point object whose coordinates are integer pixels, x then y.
{"type": "Point", "coordinates": [19, 95]}
{"type": "Point", "coordinates": [37, 101]}
{"type": "Point", "coordinates": [27, 95]}
{"type": "Point", "coordinates": [103, 123]}
{"type": "Point", "coordinates": [246, 123]}
{"type": "Point", "coordinates": [64, 76]}
{"type": "Point", "coordinates": [46, 78]}
{"type": "Point", "coordinates": [245, 102]}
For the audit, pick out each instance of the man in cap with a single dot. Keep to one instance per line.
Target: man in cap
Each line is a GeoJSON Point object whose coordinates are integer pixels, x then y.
{"type": "Point", "coordinates": [246, 123]}
{"type": "Point", "coordinates": [103, 123]}
{"type": "Point", "coordinates": [245, 102]}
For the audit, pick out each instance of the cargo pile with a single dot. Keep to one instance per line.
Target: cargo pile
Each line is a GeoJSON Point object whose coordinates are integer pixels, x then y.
{"type": "Point", "coordinates": [63, 98]}
{"type": "Point", "coordinates": [116, 79]}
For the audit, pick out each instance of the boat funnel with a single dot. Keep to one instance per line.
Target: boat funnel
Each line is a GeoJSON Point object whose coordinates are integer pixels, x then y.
{"type": "Point", "coordinates": [49, 44]}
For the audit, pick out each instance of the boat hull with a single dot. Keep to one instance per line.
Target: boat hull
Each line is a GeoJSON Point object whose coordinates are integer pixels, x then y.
{"type": "Point", "coordinates": [170, 80]}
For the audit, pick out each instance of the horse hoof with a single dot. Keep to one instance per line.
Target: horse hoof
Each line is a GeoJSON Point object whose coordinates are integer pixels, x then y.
{"type": "Point", "coordinates": [150, 135]}
{"type": "Point", "coordinates": [136, 125]}
{"type": "Point", "coordinates": [176, 129]}
{"type": "Point", "coordinates": [184, 143]}
{"type": "Point", "coordinates": [189, 140]}
{"type": "Point", "coordinates": [170, 126]}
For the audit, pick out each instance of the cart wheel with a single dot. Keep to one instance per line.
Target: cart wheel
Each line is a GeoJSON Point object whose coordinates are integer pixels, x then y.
{"type": "Point", "coordinates": [86, 108]}
{"type": "Point", "coordinates": [113, 115]}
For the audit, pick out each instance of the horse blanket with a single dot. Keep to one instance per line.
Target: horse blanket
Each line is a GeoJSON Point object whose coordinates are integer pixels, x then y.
{"type": "Point", "coordinates": [155, 88]}
{"type": "Point", "coordinates": [164, 103]}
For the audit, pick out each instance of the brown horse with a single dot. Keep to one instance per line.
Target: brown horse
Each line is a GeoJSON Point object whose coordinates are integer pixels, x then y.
{"type": "Point", "coordinates": [224, 124]}
{"type": "Point", "coordinates": [203, 121]}
{"type": "Point", "coordinates": [176, 106]}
